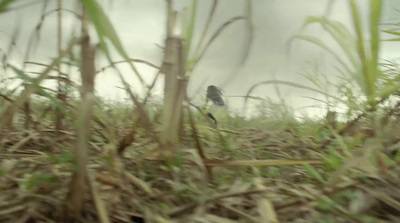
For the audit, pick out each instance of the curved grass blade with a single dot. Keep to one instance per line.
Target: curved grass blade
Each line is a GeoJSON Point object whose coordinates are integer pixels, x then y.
{"type": "Point", "coordinates": [211, 40]}
{"type": "Point", "coordinates": [340, 34]}
{"type": "Point", "coordinates": [324, 46]}
{"type": "Point", "coordinates": [289, 84]}
{"type": "Point", "coordinates": [207, 26]}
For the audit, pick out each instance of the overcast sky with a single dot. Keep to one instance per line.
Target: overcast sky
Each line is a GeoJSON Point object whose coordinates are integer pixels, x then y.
{"type": "Point", "coordinates": [141, 26]}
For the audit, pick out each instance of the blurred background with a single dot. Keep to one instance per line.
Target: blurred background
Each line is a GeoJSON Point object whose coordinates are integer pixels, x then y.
{"type": "Point", "coordinates": [141, 27]}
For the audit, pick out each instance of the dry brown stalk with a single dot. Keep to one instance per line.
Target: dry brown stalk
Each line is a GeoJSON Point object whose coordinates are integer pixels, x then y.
{"type": "Point", "coordinates": [175, 87]}
{"type": "Point", "coordinates": [77, 189]}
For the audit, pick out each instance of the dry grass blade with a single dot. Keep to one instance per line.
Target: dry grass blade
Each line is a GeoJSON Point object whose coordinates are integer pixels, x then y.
{"type": "Point", "coordinates": [140, 106]}
{"type": "Point", "coordinates": [12, 209]}
{"type": "Point", "coordinates": [239, 213]}
{"type": "Point", "coordinates": [222, 163]}
{"type": "Point", "coordinates": [7, 98]}
{"type": "Point", "coordinates": [29, 213]}
{"type": "Point", "coordinates": [107, 180]}
{"type": "Point", "coordinates": [196, 136]}
{"type": "Point", "coordinates": [45, 219]}
{"type": "Point", "coordinates": [189, 207]}
{"type": "Point", "coordinates": [127, 61]}
{"type": "Point", "coordinates": [265, 207]}
{"type": "Point", "coordinates": [22, 142]}
{"type": "Point", "coordinates": [140, 184]}
{"type": "Point", "coordinates": [197, 140]}
{"type": "Point", "coordinates": [217, 219]}
{"type": "Point", "coordinates": [159, 219]}
{"type": "Point", "coordinates": [382, 197]}
{"type": "Point", "coordinates": [128, 139]}
{"type": "Point", "coordinates": [100, 207]}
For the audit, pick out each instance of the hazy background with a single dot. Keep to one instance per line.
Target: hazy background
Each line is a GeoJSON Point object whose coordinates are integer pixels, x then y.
{"type": "Point", "coordinates": [141, 26]}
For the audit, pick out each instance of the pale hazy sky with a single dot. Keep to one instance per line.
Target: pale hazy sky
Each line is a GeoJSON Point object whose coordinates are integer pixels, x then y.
{"type": "Point", "coordinates": [141, 25]}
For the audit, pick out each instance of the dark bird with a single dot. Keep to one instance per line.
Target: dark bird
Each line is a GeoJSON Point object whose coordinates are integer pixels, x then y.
{"type": "Point", "coordinates": [212, 117]}
{"type": "Point", "coordinates": [215, 95]}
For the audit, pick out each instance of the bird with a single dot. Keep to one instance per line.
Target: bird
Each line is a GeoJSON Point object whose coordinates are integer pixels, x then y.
{"type": "Point", "coordinates": [212, 117]}
{"type": "Point", "coordinates": [215, 95]}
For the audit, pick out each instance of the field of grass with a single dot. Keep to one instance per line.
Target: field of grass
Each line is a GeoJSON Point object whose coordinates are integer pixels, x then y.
{"type": "Point", "coordinates": [69, 156]}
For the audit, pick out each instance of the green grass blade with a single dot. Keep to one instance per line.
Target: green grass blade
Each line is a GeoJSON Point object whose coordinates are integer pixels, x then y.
{"type": "Point", "coordinates": [376, 10]}
{"type": "Point", "coordinates": [340, 34]}
{"type": "Point", "coordinates": [392, 32]}
{"type": "Point", "coordinates": [313, 172]}
{"type": "Point", "coordinates": [105, 30]}
{"type": "Point", "coordinates": [214, 37]}
{"type": "Point", "coordinates": [189, 29]}
{"type": "Point", "coordinates": [34, 82]}
{"type": "Point", "coordinates": [321, 44]}
{"type": "Point", "coordinates": [361, 50]}
{"type": "Point", "coordinates": [4, 5]}
{"type": "Point", "coordinates": [207, 26]}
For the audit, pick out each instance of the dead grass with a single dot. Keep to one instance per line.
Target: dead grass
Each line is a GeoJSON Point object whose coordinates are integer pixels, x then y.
{"type": "Point", "coordinates": [361, 187]}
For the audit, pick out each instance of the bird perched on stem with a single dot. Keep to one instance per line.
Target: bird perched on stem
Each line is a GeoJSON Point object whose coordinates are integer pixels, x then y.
{"type": "Point", "coordinates": [215, 95]}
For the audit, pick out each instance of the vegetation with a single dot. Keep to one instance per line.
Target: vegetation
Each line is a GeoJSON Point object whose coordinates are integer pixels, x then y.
{"type": "Point", "coordinates": [70, 156]}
